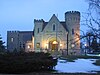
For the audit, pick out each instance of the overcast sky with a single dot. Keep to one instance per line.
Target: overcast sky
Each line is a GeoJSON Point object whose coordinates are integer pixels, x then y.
{"type": "Point", "coordinates": [20, 14]}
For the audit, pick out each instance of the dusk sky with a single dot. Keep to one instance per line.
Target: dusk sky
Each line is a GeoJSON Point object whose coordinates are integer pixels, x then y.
{"type": "Point", "coordinates": [20, 14]}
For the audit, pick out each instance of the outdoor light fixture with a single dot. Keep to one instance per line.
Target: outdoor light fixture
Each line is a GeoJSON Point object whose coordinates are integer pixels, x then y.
{"type": "Point", "coordinates": [60, 44]}
{"type": "Point", "coordinates": [85, 48]}
{"type": "Point", "coordinates": [73, 45]}
{"type": "Point", "coordinates": [85, 45]}
{"type": "Point", "coordinates": [28, 46]}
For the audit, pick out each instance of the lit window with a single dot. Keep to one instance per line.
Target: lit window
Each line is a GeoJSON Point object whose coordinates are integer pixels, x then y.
{"type": "Point", "coordinates": [29, 46]}
{"type": "Point", "coordinates": [54, 28]}
{"type": "Point", "coordinates": [12, 39]}
{"type": "Point", "coordinates": [72, 31]}
{"type": "Point", "coordinates": [38, 45]}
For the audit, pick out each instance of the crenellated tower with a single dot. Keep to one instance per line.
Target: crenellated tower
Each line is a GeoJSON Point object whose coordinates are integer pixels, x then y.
{"type": "Point", "coordinates": [38, 26]}
{"type": "Point", "coordinates": [72, 19]}
{"type": "Point", "coordinates": [12, 40]}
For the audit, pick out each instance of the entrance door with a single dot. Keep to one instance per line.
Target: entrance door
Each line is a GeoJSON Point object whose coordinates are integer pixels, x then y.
{"type": "Point", "coordinates": [53, 45]}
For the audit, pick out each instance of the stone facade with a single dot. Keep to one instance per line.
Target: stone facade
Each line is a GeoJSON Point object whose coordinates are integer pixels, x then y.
{"type": "Point", "coordinates": [17, 40]}
{"type": "Point", "coordinates": [45, 33]}
{"type": "Point", "coordinates": [52, 36]}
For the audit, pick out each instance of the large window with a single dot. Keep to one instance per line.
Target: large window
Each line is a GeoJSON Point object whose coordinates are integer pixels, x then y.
{"type": "Point", "coordinates": [54, 27]}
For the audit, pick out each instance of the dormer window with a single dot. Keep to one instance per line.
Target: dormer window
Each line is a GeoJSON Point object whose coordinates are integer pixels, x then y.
{"type": "Point", "coordinates": [54, 27]}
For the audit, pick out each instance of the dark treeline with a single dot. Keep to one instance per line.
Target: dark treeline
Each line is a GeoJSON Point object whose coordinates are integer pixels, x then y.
{"type": "Point", "coordinates": [26, 62]}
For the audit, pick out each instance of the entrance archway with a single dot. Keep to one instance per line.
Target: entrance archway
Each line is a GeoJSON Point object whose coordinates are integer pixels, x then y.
{"type": "Point", "coordinates": [53, 45]}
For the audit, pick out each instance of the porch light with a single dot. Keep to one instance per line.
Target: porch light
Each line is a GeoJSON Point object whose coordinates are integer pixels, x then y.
{"type": "Point", "coordinates": [85, 45]}
{"type": "Point", "coordinates": [61, 45]}
{"type": "Point", "coordinates": [73, 45]}
{"type": "Point", "coordinates": [28, 47]}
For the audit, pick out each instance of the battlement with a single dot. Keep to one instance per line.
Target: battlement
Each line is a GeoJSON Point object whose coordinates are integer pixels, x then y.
{"type": "Point", "coordinates": [12, 31]}
{"type": "Point", "coordinates": [72, 12]}
{"type": "Point", "coordinates": [40, 20]}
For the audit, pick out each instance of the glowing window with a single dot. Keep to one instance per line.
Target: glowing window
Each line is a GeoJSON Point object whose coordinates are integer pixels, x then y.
{"type": "Point", "coordinates": [12, 39]}
{"type": "Point", "coordinates": [38, 45]}
{"type": "Point", "coordinates": [29, 46]}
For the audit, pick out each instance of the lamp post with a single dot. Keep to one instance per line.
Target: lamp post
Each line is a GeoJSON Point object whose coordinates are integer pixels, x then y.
{"type": "Point", "coordinates": [73, 45]}
{"type": "Point", "coordinates": [85, 48]}
{"type": "Point", "coordinates": [73, 51]}
{"type": "Point", "coordinates": [67, 44]}
{"type": "Point", "coordinates": [56, 53]}
{"type": "Point", "coordinates": [61, 49]}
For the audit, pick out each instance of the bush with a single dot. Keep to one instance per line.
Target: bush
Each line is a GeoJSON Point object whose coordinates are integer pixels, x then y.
{"type": "Point", "coordinates": [97, 62]}
{"type": "Point", "coordinates": [26, 62]}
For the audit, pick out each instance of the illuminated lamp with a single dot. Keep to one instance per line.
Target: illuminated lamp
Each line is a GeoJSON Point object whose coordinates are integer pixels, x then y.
{"type": "Point", "coordinates": [28, 46]}
{"type": "Point", "coordinates": [73, 45]}
{"type": "Point", "coordinates": [60, 44]}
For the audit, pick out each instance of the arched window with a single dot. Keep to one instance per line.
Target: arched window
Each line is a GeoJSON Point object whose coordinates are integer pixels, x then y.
{"type": "Point", "coordinates": [72, 31]}
{"type": "Point", "coordinates": [54, 27]}
{"type": "Point", "coordinates": [38, 30]}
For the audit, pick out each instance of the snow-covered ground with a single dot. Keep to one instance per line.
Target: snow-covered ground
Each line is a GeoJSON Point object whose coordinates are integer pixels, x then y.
{"type": "Point", "coordinates": [93, 55]}
{"type": "Point", "coordinates": [79, 66]}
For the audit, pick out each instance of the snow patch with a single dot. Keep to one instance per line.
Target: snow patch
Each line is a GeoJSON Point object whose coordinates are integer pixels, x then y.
{"type": "Point", "coordinates": [79, 66]}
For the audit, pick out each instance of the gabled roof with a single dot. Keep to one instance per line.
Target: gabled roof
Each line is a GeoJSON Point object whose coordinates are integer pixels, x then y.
{"type": "Point", "coordinates": [62, 23]}
{"type": "Point", "coordinates": [44, 24]}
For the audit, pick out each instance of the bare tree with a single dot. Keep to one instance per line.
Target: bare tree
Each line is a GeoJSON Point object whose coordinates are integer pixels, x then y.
{"type": "Point", "coordinates": [93, 19]}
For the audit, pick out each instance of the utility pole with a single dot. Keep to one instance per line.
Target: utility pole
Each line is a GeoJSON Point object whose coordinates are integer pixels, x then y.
{"type": "Point", "coordinates": [56, 40]}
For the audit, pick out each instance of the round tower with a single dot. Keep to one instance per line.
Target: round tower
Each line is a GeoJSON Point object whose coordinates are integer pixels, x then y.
{"type": "Point", "coordinates": [72, 19]}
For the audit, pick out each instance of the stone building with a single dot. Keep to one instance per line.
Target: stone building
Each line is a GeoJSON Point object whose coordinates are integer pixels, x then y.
{"type": "Point", "coordinates": [18, 40]}
{"type": "Point", "coordinates": [53, 36]}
